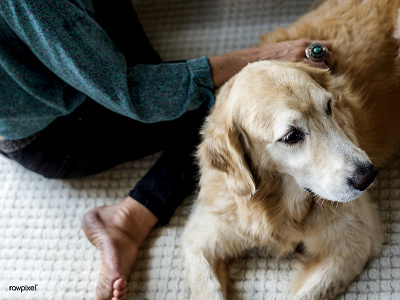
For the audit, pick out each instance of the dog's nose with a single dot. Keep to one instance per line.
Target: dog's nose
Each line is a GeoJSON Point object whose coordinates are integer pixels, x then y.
{"type": "Point", "coordinates": [364, 176]}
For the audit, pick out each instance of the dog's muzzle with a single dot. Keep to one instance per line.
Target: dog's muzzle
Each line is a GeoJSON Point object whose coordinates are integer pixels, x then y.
{"type": "Point", "coordinates": [316, 52]}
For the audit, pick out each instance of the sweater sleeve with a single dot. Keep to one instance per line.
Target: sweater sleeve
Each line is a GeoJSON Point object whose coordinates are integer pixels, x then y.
{"type": "Point", "coordinates": [64, 37]}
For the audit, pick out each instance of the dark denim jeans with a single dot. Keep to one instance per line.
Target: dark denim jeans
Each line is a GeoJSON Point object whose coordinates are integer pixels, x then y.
{"type": "Point", "coordinates": [93, 139]}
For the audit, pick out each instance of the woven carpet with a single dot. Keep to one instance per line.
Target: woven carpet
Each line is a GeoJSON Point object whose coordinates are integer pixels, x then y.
{"type": "Point", "coordinates": [41, 241]}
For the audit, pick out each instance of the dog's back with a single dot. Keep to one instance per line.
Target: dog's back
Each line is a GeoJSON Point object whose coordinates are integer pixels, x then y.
{"type": "Point", "coordinates": [365, 35]}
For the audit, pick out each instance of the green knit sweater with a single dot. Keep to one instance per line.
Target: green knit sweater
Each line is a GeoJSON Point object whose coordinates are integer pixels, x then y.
{"type": "Point", "coordinates": [53, 55]}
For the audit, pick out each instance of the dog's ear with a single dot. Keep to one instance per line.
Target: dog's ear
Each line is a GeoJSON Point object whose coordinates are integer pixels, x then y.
{"type": "Point", "coordinates": [321, 76]}
{"type": "Point", "coordinates": [223, 149]}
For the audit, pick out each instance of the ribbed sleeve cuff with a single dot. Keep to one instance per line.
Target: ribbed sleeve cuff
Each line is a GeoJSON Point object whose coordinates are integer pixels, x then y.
{"type": "Point", "coordinates": [200, 73]}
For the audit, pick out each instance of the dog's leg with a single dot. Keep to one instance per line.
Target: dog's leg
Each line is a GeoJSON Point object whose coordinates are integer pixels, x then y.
{"type": "Point", "coordinates": [206, 251]}
{"type": "Point", "coordinates": [207, 276]}
{"type": "Point", "coordinates": [326, 278]}
{"type": "Point", "coordinates": [336, 253]}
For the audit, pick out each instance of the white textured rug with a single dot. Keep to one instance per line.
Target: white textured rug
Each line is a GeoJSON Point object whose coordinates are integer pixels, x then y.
{"type": "Point", "coordinates": [41, 241]}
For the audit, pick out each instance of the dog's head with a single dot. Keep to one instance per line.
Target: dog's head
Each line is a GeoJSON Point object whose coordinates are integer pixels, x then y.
{"type": "Point", "coordinates": [278, 118]}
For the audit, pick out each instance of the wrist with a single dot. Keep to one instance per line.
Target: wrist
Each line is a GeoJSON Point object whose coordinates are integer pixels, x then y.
{"type": "Point", "coordinates": [225, 66]}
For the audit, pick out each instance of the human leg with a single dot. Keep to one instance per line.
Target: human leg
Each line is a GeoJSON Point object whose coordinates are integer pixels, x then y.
{"type": "Point", "coordinates": [154, 198]}
{"type": "Point", "coordinates": [90, 141]}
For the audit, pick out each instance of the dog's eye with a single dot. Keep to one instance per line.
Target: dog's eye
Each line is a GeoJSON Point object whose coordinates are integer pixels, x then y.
{"type": "Point", "coordinates": [329, 108]}
{"type": "Point", "coordinates": [293, 137]}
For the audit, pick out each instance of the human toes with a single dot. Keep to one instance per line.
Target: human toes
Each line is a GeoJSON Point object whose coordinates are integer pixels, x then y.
{"type": "Point", "coordinates": [120, 289]}
{"type": "Point", "coordinates": [119, 284]}
{"type": "Point", "coordinates": [120, 294]}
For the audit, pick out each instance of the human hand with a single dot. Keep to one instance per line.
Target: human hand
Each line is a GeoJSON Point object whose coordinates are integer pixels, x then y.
{"type": "Point", "coordinates": [224, 66]}
{"type": "Point", "coordinates": [294, 51]}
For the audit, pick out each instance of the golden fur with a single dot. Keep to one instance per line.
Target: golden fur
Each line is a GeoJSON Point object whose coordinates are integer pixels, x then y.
{"type": "Point", "coordinates": [271, 139]}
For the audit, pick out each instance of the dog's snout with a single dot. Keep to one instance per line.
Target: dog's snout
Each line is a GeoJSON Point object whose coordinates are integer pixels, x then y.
{"type": "Point", "coordinates": [364, 176]}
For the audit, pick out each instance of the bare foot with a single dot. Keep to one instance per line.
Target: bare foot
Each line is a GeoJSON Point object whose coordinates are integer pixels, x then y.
{"type": "Point", "coordinates": [118, 231]}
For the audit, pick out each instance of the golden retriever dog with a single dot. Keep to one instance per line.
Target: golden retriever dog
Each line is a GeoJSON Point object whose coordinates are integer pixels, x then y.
{"type": "Point", "coordinates": [288, 153]}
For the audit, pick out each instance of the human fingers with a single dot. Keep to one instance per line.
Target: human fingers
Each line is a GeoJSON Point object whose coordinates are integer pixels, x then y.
{"type": "Point", "coordinates": [295, 51]}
